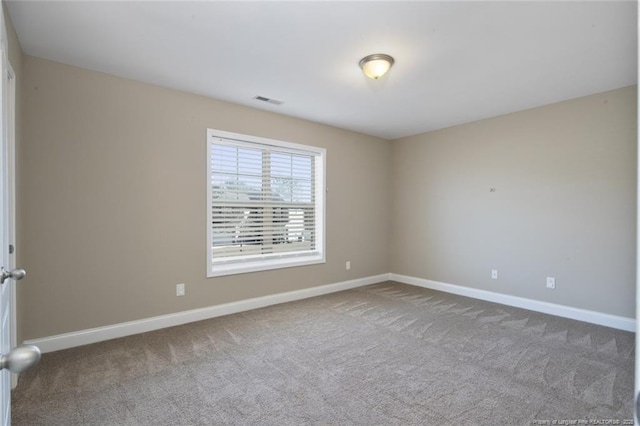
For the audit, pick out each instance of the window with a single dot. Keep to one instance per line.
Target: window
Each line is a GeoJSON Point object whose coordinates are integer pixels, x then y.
{"type": "Point", "coordinates": [265, 204]}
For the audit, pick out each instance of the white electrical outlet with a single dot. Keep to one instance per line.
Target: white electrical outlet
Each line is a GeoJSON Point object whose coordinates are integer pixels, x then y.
{"type": "Point", "coordinates": [347, 265]}
{"type": "Point", "coordinates": [494, 274]}
{"type": "Point", "coordinates": [179, 289]}
{"type": "Point", "coordinates": [551, 282]}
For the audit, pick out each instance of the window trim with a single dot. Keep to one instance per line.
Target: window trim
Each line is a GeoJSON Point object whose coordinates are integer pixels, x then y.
{"type": "Point", "coordinates": [273, 261]}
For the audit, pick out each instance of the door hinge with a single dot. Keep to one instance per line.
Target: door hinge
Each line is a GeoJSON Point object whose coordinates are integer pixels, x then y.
{"type": "Point", "coordinates": [11, 249]}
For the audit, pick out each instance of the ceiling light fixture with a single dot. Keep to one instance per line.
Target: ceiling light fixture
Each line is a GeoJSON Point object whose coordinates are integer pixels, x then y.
{"type": "Point", "coordinates": [376, 65]}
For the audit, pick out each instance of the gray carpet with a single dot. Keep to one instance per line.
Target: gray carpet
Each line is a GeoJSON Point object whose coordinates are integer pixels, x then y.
{"type": "Point", "coordinates": [387, 354]}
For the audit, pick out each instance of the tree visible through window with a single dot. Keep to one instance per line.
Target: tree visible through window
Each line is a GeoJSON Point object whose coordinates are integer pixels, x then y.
{"type": "Point", "coordinates": [265, 204]}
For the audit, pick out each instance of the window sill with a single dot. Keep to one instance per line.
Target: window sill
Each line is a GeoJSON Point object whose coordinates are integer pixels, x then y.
{"type": "Point", "coordinates": [222, 269]}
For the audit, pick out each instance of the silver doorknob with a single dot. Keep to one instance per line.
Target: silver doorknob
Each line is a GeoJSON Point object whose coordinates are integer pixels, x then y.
{"type": "Point", "coordinates": [15, 274]}
{"type": "Point", "coordinates": [20, 359]}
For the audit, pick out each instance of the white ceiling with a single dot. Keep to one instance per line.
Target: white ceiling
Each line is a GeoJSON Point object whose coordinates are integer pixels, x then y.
{"type": "Point", "coordinates": [456, 62]}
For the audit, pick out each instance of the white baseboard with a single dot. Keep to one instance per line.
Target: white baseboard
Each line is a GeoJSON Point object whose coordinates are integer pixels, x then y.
{"type": "Point", "coordinates": [94, 335]}
{"type": "Point", "coordinates": [613, 321]}
{"type": "Point", "coordinates": [98, 334]}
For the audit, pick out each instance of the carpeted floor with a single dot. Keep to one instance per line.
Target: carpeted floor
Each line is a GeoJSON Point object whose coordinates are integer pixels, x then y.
{"type": "Point", "coordinates": [387, 354]}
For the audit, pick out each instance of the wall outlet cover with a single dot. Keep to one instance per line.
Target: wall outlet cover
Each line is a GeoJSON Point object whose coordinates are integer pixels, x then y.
{"type": "Point", "coordinates": [551, 282]}
{"type": "Point", "coordinates": [180, 290]}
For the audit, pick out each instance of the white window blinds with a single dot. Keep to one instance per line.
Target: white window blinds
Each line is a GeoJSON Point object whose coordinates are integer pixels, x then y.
{"type": "Point", "coordinates": [265, 204]}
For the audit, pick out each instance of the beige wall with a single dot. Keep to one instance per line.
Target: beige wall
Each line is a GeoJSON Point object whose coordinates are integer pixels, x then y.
{"type": "Point", "coordinates": [15, 52]}
{"type": "Point", "coordinates": [114, 200]}
{"type": "Point", "coordinates": [564, 203]}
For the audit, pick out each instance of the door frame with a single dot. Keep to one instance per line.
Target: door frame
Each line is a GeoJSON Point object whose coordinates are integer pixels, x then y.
{"type": "Point", "coordinates": [636, 394]}
{"type": "Point", "coordinates": [11, 161]}
{"type": "Point", "coordinates": [8, 197]}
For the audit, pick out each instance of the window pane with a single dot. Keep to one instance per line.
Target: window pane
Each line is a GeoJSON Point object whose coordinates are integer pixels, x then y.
{"type": "Point", "coordinates": [263, 202]}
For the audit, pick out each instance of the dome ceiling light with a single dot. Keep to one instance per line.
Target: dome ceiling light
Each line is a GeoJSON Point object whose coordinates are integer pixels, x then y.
{"type": "Point", "coordinates": [376, 65]}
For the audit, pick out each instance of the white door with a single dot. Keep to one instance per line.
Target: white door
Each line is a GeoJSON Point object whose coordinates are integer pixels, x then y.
{"type": "Point", "coordinates": [24, 357]}
{"type": "Point", "coordinates": [5, 232]}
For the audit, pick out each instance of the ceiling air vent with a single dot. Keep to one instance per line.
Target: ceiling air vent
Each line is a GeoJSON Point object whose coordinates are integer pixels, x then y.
{"type": "Point", "coordinates": [268, 100]}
